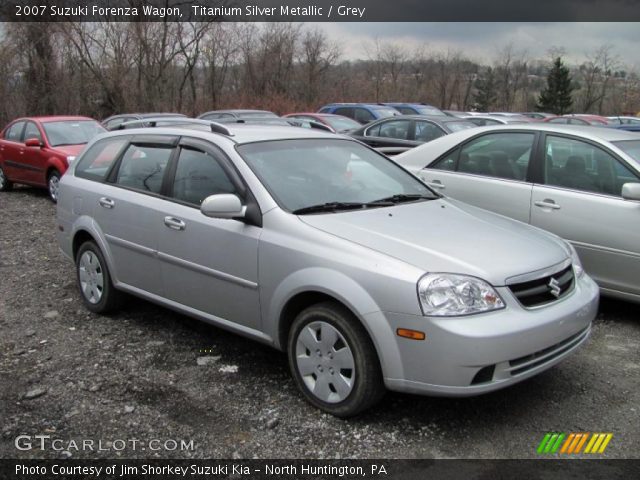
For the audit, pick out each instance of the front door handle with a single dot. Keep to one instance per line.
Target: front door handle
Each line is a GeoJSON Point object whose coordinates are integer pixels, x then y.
{"type": "Point", "coordinates": [435, 184]}
{"type": "Point", "coordinates": [106, 202]}
{"type": "Point", "coordinates": [547, 203]}
{"type": "Point", "coordinates": [174, 223]}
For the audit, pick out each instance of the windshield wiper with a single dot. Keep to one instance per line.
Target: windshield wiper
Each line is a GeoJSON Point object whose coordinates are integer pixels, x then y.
{"type": "Point", "coordinates": [405, 197]}
{"type": "Point", "coordinates": [337, 206]}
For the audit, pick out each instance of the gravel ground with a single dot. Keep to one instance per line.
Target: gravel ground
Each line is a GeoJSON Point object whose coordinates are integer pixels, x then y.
{"type": "Point", "coordinates": [147, 374]}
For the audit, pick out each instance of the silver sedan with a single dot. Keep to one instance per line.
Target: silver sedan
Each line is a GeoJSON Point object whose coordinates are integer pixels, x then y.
{"type": "Point", "coordinates": [581, 183]}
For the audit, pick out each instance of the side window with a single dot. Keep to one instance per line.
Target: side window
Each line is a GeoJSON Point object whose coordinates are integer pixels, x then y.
{"type": "Point", "coordinates": [346, 111]}
{"type": "Point", "coordinates": [373, 131]}
{"type": "Point", "coordinates": [559, 120]}
{"type": "Point", "coordinates": [143, 167]}
{"type": "Point", "coordinates": [395, 129]}
{"type": "Point", "coordinates": [96, 162]}
{"type": "Point", "coordinates": [427, 131]}
{"type": "Point", "coordinates": [581, 166]}
{"type": "Point", "coordinates": [577, 121]}
{"type": "Point", "coordinates": [199, 175]}
{"type": "Point", "coordinates": [15, 132]}
{"type": "Point", "coordinates": [31, 131]}
{"type": "Point", "coordinates": [448, 162]}
{"type": "Point", "coordinates": [406, 110]}
{"type": "Point", "coordinates": [363, 115]}
{"type": "Point", "coordinates": [501, 155]}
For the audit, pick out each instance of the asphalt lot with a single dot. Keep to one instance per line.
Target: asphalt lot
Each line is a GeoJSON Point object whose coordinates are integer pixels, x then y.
{"type": "Point", "coordinates": [136, 376]}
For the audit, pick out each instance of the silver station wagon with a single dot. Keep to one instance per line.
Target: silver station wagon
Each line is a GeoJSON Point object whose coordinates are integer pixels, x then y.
{"type": "Point", "coordinates": [321, 247]}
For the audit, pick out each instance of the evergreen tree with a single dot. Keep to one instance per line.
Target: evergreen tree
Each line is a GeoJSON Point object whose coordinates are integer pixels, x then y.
{"type": "Point", "coordinates": [556, 97]}
{"type": "Point", "coordinates": [486, 94]}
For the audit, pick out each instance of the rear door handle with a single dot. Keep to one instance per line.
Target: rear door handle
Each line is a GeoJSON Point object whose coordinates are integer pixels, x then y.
{"type": "Point", "coordinates": [547, 203]}
{"type": "Point", "coordinates": [174, 223]}
{"type": "Point", "coordinates": [435, 184]}
{"type": "Point", "coordinates": [106, 202]}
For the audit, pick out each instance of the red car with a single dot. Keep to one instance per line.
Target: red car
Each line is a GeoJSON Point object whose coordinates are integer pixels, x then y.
{"type": "Point", "coordinates": [579, 119]}
{"type": "Point", "coordinates": [37, 150]}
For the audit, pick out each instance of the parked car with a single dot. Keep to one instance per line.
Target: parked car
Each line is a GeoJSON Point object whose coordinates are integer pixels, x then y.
{"type": "Point", "coordinates": [624, 120]}
{"type": "Point", "coordinates": [538, 116]}
{"type": "Point", "coordinates": [337, 123]}
{"type": "Point", "coordinates": [578, 120]}
{"type": "Point", "coordinates": [582, 183]}
{"type": "Point", "coordinates": [408, 131]}
{"type": "Point", "coordinates": [38, 150]}
{"type": "Point", "coordinates": [362, 113]}
{"type": "Point", "coordinates": [198, 122]}
{"type": "Point", "coordinates": [627, 126]}
{"type": "Point", "coordinates": [488, 120]}
{"type": "Point", "coordinates": [309, 242]}
{"type": "Point", "coordinates": [416, 109]}
{"type": "Point", "coordinates": [225, 116]}
{"type": "Point", "coordinates": [114, 121]}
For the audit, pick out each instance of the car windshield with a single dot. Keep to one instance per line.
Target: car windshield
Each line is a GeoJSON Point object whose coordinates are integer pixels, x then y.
{"type": "Point", "coordinates": [386, 112]}
{"type": "Point", "coordinates": [342, 124]}
{"type": "Point", "coordinates": [630, 147]}
{"type": "Point", "coordinates": [71, 132]}
{"type": "Point", "coordinates": [302, 175]}
{"type": "Point", "coordinates": [457, 126]}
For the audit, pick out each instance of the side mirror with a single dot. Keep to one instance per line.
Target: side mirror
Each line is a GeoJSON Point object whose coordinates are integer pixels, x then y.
{"type": "Point", "coordinates": [631, 191]}
{"type": "Point", "coordinates": [33, 142]}
{"type": "Point", "coordinates": [223, 205]}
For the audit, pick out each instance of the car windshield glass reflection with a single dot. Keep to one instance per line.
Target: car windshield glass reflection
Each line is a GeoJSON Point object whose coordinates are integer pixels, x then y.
{"type": "Point", "coordinates": [313, 176]}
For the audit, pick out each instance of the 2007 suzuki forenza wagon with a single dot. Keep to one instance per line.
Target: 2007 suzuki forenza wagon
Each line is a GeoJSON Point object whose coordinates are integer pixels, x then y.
{"type": "Point", "coordinates": [319, 246]}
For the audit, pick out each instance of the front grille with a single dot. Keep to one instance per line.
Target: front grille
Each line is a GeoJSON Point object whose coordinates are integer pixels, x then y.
{"type": "Point", "coordinates": [522, 364]}
{"type": "Point", "coordinates": [541, 291]}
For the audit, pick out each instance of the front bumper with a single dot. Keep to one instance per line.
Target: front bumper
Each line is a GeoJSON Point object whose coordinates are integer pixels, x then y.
{"type": "Point", "coordinates": [464, 356]}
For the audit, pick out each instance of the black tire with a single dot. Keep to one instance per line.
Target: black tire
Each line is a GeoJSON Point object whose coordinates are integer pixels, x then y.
{"type": "Point", "coordinates": [367, 388]}
{"type": "Point", "coordinates": [110, 298]}
{"type": "Point", "coordinates": [5, 183]}
{"type": "Point", "coordinates": [54, 176]}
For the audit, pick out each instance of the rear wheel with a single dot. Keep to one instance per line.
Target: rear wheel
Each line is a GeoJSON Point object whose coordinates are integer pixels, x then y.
{"type": "Point", "coordinates": [333, 360]}
{"type": "Point", "coordinates": [94, 280]}
{"type": "Point", "coordinates": [5, 183]}
{"type": "Point", "coordinates": [53, 185]}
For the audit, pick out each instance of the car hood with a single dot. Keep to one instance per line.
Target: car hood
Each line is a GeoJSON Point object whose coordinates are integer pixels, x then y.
{"type": "Point", "coordinates": [448, 236]}
{"type": "Point", "coordinates": [73, 150]}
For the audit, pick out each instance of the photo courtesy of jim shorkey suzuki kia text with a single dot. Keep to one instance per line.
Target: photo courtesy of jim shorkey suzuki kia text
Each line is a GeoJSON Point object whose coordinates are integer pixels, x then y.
{"type": "Point", "coordinates": [232, 469]}
{"type": "Point", "coordinates": [200, 11]}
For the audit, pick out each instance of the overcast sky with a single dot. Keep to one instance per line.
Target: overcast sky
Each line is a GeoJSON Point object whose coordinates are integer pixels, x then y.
{"type": "Point", "coordinates": [481, 41]}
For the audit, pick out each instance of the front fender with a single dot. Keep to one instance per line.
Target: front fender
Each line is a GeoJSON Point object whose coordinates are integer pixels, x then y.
{"type": "Point", "coordinates": [348, 292]}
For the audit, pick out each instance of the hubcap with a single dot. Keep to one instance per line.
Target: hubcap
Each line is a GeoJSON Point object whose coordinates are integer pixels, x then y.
{"type": "Point", "coordinates": [91, 277]}
{"type": "Point", "coordinates": [325, 362]}
{"type": "Point", "coordinates": [54, 183]}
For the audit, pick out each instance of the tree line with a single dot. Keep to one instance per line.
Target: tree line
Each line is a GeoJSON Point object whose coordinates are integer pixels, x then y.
{"type": "Point", "coordinates": [100, 68]}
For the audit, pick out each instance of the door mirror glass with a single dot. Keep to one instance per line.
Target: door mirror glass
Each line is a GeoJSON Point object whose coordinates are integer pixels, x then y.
{"type": "Point", "coordinates": [33, 142]}
{"type": "Point", "coordinates": [631, 191]}
{"type": "Point", "coordinates": [223, 205]}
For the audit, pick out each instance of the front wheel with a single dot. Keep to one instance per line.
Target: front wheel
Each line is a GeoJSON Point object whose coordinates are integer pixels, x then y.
{"type": "Point", "coordinates": [94, 280]}
{"type": "Point", "coordinates": [333, 360]}
{"type": "Point", "coordinates": [53, 185]}
{"type": "Point", "coordinates": [5, 183]}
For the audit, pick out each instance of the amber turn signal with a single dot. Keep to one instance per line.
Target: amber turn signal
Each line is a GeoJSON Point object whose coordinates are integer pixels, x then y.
{"type": "Point", "coordinates": [412, 334]}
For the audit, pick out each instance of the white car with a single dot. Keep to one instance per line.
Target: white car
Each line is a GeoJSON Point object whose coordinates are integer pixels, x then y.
{"type": "Point", "coordinates": [581, 183]}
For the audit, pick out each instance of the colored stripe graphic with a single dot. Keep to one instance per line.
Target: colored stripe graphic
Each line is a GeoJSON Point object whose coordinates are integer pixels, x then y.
{"type": "Point", "coordinates": [573, 443]}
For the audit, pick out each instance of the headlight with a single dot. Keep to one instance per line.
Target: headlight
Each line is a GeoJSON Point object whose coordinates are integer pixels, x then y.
{"type": "Point", "coordinates": [447, 295]}
{"type": "Point", "coordinates": [71, 158]}
{"type": "Point", "coordinates": [575, 260]}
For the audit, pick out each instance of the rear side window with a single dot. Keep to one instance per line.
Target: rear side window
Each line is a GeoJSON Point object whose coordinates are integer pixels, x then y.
{"type": "Point", "coordinates": [427, 131]}
{"type": "Point", "coordinates": [363, 116]}
{"type": "Point", "coordinates": [97, 161]}
{"type": "Point", "coordinates": [143, 167]}
{"type": "Point", "coordinates": [15, 132]}
{"type": "Point", "coordinates": [199, 175]}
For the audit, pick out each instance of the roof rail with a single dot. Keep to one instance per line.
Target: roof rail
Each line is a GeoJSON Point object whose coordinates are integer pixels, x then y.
{"type": "Point", "coordinates": [220, 128]}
